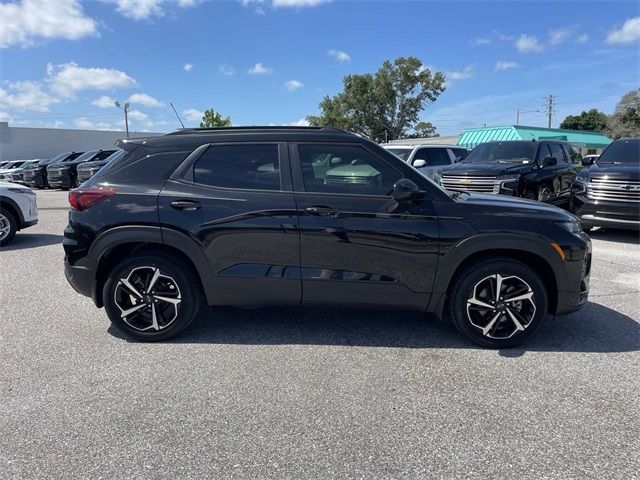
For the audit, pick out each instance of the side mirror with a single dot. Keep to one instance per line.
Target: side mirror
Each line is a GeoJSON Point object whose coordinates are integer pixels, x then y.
{"type": "Point", "coordinates": [549, 161]}
{"type": "Point", "coordinates": [404, 190]}
{"type": "Point", "coordinates": [587, 162]}
{"type": "Point", "coordinates": [419, 163]}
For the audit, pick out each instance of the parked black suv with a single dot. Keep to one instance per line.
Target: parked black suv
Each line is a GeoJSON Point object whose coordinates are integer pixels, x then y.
{"type": "Point", "coordinates": [64, 174]}
{"type": "Point", "coordinates": [538, 170]}
{"type": "Point", "coordinates": [87, 170]}
{"type": "Point", "coordinates": [606, 193]}
{"type": "Point", "coordinates": [35, 176]}
{"type": "Point", "coordinates": [251, 216]}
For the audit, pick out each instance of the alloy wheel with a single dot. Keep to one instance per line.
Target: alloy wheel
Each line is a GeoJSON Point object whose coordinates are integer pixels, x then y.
{"type": "Point", "coordinates": [147, 299]}
{"type": "Point", "coordinates": [5, 227]}
{"type": "Point", "coordinates": [501, 306]}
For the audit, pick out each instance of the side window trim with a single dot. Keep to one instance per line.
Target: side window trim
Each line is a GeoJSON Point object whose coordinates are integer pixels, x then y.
{"type": "Point", "coordinates": [296, 168]}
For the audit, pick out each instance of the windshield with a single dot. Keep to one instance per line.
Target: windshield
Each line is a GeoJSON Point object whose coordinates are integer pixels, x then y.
{"type": "Point", "coordinates": [86, 156]}
{"type": "Point", "coordinates": [621, 152]}
{"type": "Point", "coordinates": [503, 152]}
{"type": "Point", "coordinates": [403, 153]}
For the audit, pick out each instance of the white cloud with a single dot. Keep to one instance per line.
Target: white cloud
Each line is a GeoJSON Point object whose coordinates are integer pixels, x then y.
{"type": "Point", "coordinates": [26, 21]}
{"type": "Point", "coordinates": [26, 95]}
{"type": "Point", "coordinates": [146, 100]}
{"type": "Point", "coordinates": [629, 32]}
{"type": "Point", "coordinates": [69, 78]}
{"type": "Point", "coordinates": [467, 72]}
{"type": "Point", "coordinates": [339, 55]}
{"type": "Point", "coordinates": [86, 124]}
{"type": "Point", "coordinates": [559, 35]}
{"type": "Point", "coordinates": [480, 41]}
{"type": "Point", "coordinates": [504, 65]}
{"type": "Point", "coordinates": [144, 9]}
{"type": "Point", "coordinates": [292, 85]}
{"type": "Point", "coordinates": [583, 38]}
{"type": "Point", "coordinates": [260, 69]}
{"type": "Point", "coordinates": [187, 67]}
{"type": "Point", "coordinates": [303, 122]}
{"type": "Point", "coordinates": [528, 43]}
{"type": "Point", "coordinates": [298, 3]}
{"type": "Point", "coordinates": [226, 69]}
{"type": "Point", "coordinates": [193, 115]}
{"type": "Point", "coordinates": [104, 102]}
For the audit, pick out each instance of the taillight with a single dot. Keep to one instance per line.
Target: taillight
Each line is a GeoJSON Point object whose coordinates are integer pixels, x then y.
{"type": "Point", "coordinates": [82, 198]}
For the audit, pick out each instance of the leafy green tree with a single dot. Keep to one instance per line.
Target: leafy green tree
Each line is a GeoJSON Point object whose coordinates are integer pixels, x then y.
{"type": "Point", "coordinates": [625, 121]}
{"type": "Point", "coordinates": [211, 118]}
{"type": "Point", "coordinates": [385, 105]}
{"type": "Point", "coordinates": [592, 120]}
{"type": "Point", "coordinates": [423, 130]}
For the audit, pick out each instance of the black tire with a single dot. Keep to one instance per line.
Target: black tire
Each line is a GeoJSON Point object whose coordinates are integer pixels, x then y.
{"type": "Point", "coordinates": [6, 215]}
{"type": "Point", "coordinates": [482, 274]}
{"type": "Point", "coordinates": [185, 284]}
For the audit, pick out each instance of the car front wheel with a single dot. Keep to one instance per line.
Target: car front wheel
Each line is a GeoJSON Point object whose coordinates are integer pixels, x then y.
{"type": "Point", "coordinates": [498, 303]}
{"type": "Point", "coordinates": [152, 298]}
{"type": "Point", "coordinates": [8, 227]}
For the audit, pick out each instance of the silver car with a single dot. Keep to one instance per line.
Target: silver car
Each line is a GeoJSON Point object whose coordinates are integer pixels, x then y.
{"type": "Point", "coordinates": [428, 159]}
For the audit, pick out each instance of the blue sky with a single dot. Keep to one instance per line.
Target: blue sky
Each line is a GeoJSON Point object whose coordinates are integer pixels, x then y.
{"type": "Point", "coordinates": [264, 62]}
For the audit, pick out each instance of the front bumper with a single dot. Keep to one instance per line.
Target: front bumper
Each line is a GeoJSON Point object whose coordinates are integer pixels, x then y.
{"type": "Point", "coordinates": [602, 213]}
{"type": "Point", "coordinates": [573, 293]}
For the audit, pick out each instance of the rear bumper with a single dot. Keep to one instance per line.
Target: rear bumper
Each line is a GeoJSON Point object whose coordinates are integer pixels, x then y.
{"type": "Point", "coordinates": [81, 278]}
{"type": "Point", "coordinates": [599, 213]}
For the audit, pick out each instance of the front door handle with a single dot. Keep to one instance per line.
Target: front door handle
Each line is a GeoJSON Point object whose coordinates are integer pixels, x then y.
{"type": "Point", "coordinates": [321, 211]}
{"type": "Point", "coordinates": [187, 205]}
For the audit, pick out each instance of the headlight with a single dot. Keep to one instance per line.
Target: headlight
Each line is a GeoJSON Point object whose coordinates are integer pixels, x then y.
{"type": "Point", "coordinates": [580, 183]}
{"type": "Point", "coordinates": [509, 177]}
{"type": "Point", "coordinates": [571, 227]}
{"type": "Point", "coordinates": [26, 191]}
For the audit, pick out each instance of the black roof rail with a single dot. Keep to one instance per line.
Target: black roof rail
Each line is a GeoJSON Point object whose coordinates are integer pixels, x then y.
{"type": "Point", "coordinates": [191, 131]}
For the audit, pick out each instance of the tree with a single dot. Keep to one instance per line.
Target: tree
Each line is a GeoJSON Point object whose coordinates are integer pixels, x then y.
{"type": "Point", "coordinates": [592, 120]}
{"type": "Point", "coordinates": [385, 105]}
{"type": "Point", "coordinates": [423, 130]}
{"type": "Point", "coordinates": [211, 118]}
{"type": "Point", "coordinates": [625, 121]}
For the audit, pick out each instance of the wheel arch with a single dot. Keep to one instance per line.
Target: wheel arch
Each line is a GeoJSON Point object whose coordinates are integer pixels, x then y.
{"type": "Point", "coordinates": [536, 253]}
{"type": "Point", "coordinates": [12, 206]}
{"type": "Point", "coordinates": [117, 244]}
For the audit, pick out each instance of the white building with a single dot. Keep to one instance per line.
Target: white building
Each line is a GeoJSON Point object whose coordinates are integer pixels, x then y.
{"type": "Point", "coordinates": [21, 143]}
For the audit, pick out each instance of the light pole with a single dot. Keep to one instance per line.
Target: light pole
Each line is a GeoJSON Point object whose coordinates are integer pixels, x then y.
{"type": "Point", "coordinates": [518, 112]}
{"type": "Point", "coordinates": [126, 111]}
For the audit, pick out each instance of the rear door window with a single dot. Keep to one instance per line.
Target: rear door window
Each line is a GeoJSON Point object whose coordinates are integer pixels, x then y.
{"type": "Point", "coordinates": [246, 167]}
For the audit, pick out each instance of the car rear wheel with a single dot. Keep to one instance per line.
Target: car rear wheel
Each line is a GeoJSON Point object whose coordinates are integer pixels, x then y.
{"type": "Point", "coordinates": [8, 227]}
{"type": "Point", "coordinates": [152, 298]}
{"type": "Point", "coordinates": [498, 303]}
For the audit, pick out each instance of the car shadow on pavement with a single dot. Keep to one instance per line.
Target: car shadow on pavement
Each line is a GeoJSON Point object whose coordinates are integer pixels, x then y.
{"type": "Point", "coordinates": [620, 236]}
{"type": "Point", "coordinates": [31, 240]}
{"type": "Point", "coordinates": [594, 329]}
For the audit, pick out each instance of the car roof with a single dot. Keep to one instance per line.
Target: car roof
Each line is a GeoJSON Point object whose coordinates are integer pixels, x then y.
{"type": "Point", "coordinates": [189, 137]}
{"type": "Point", "coordinates": [421, 145]}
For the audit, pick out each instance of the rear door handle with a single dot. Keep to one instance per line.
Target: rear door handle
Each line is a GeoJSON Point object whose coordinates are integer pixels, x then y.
{"type": "Point", "coordinates": [188, 205]}
{"type": "Point", "coordinates": [321, 211]}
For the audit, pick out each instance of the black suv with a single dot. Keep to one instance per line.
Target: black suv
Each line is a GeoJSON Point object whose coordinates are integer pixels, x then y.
{"type": "Point", "coordinates": [88, 169]}
{"type": "Point", "coordinates": [251, 216]}
{"type": "Point", "coordinates": [538, 170]}
{"type": "Point", "coordinates": [64, 174]}
{"type": "Point", "coordinates": [606, 193]}
{"type": "Point", "coordinates": [36, 175]}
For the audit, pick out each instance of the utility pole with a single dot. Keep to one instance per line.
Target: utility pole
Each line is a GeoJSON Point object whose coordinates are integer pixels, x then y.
{"type": "Point", "coordinates": [126, 112]}
{"type": "Point", "coordinates": [549, 108]}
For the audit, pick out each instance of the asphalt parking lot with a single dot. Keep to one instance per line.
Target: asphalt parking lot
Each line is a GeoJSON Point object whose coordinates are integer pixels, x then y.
{"type": "Point", "coordinates": [294, 393]}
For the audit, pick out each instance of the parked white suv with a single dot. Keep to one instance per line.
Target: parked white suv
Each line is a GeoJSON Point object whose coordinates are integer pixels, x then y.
{"type": "Point", "coordinates": [429, 159]}
{"type": "Point", "coordinates": [18, 210]}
